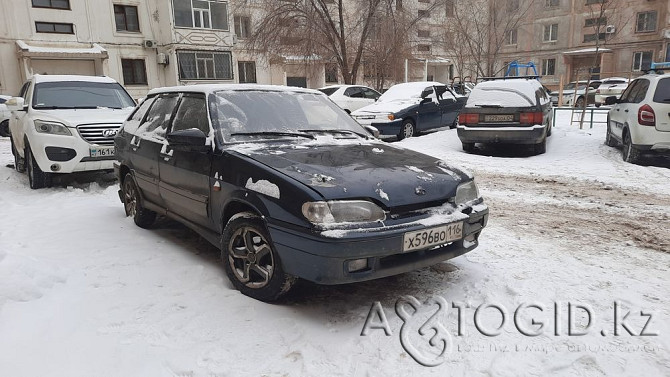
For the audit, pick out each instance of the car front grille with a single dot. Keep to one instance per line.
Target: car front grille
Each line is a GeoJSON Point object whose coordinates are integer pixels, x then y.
{"type": "Point", "coordinates": [101, 134]}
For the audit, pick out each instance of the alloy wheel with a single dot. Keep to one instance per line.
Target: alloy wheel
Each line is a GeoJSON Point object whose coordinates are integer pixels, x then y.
{"type": "Point", "coordinates": [250, 257]}
{"type": "Point", "coordinates": [130, 198]}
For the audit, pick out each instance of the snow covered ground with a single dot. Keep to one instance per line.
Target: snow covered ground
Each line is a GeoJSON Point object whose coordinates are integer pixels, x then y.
{"type": "Point", "coordinates": [84, 292]}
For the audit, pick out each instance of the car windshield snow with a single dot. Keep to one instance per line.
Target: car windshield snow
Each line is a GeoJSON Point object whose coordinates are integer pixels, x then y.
{"type": "Point", "coordinates": [401, 92]}
{"type": "Point", "coordinates": [80, 95]}
{"type": "Point", "coordinates": [241, 115]}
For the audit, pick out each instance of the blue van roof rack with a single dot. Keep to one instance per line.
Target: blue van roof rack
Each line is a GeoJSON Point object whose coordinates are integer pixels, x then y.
{"type": "Point", "coordinates": [534, 77]}
{"type": "Point", "coordinates": [655, 67]}
{"type": "Point", "coordinates": [513, 69]}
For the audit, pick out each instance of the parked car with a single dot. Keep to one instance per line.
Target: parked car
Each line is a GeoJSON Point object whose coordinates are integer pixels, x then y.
{"type": "Point", "coordinates": [640, 119]}
{"type": "Point", "coordinates": [4, 116]}
{"type": "Point", "coordinates": [612, 86]}
{"type": "Point", "coordinates": [351, 97]}
{"type": "Point", "coordinates": [64, 124]}
{"type": "Point", "coordinates": [289, 186]}
{"type": "Point", "coordinates": [515, 111]}
{"type": "Point", "coordinates": [575, 93]}
{"type": "Point", "coordinates": [410, 108]}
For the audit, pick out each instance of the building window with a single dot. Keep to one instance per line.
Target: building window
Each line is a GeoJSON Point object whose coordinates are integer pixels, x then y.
{"type": "Point", "coordinates": [247, 72]}
{"type": "Point", "coordinates": [589, 2]}
{"type": "Point", "coordinates": [423, 13]}
{"type": "Point", "coordinates": [548, 67]}
{"type": "Point", "coordinates": [398, 4]}
{"type": "Point", "coordinates": [126, 18]}
{"type": "Point", "coordinates": [204, 65]}
{"type": "Point", "coordinates": [551, 3]}
{"type": "Point", "coordinates": [589, 22]}
{"type": "Point", "coordinates": [642, 59]}
{"type": "Point", "coordinates": [242, 26]}
{"type": "Point", "coordinates": [203, 14]}
{"type": "Point", "coordinates": [134, 72]}
{"type": "Point", "coordinates": [450, 7]}
{"type": "Point", "coordinates": [592, 37]}
{"type": "Point", "coordinates": [54, 27]}
{"type": "Point", "coordinates": [423, 33]}
{"type": "Point", "coordinates": [512, 5]}
{"type": "Point", "coordinates": [423, 48]}
{"type": "Point", "coordinates": [550, 33]}
{"type": "Point", "coordinates": [646, 21]}
{"type": "Point", "coordinates": [424, 1]}
{"type": "Point", "coordinates": [512, 37]}
{"type": "Point", "coordinates": [331, 72]}
{"type": "Point", "coordinates": [55, 4]}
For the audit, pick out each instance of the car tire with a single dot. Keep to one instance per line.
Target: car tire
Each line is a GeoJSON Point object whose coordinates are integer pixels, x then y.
{"type": "Point", "coordinates": [455, 123]}
{"type": "Point", "coordinates": [468, 147]}
{"type": "Point", "coordinates": [132, 203]}
{"type": "Point", "coordinates": [4, 128]}
{"type": "Point", "coordinates": [549, 129]}
{"type": "Point", "coordinates": [250, 259]}
{"type": "Point", "coordinates": [610, 141]}
{"type": "Point", "coordinates": [630, 152]}
{"type": "Point", "coordinates": [36, 177]}
{"type": "Point", "coordinates": [579, 103]}
{"type": "Point", "coordinates": [541, 147]}
{"type": "Point", "coordinates": [407, 130]}
{"type": "Point", "coordinates": [19, 162]}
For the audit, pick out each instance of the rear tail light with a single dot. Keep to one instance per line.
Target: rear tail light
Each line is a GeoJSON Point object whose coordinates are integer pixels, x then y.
{"type": "Point", "coordinates": [646, 116]}
{"type": "Point", "coordinates": [530, 118]}
{"type": "Point", "coordinates": [597, 91]}
{"type": "Point", "coordinates": [465, 118]}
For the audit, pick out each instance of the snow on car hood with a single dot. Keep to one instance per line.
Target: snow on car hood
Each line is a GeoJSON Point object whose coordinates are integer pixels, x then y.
{"type": "Point", "coordinates": [74, 117]}
{"type": "Point", "coordinates": [387, 107]}
{"type": "Point", "coordinates": [389, 176]}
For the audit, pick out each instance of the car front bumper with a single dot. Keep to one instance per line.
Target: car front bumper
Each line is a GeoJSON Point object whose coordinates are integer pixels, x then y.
{"type": "Point", "coordinates": [324, 260]}
{"type": "Point", "coordinates": [513, 135]}
{"type": "Point", "coordinates": [66, 154]}
{"type": "Point", "coordinates": [386, 129]}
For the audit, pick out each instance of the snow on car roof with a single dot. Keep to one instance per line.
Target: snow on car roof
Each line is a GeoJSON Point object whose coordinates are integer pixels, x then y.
{"type": "Point", "coordinates": [211, 88]}
{"type": "Point", "coordinates": [407, 90]}
{"type": "Point", "coordinates": [58, 78]}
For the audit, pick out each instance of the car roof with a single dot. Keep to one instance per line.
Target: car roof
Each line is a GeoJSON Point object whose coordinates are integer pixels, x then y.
{"type": "Point", "coordinates": [211, 88]}
{"type": "Point", "coordinates": [419, 84]}
{"type": "Point", "coordinates": [64, 78]}
{"type": "Point", "coordinates": [524, 83]}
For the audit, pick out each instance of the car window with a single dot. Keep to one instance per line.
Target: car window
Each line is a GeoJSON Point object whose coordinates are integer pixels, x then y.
{"type": "Point", "coordinates": [354, 92]}
{"type": "Point", "coordinates": [81, 94]}
{"type": "Point", "coordinates": [662, 93]}
{"type": "Point", "coordinates": [192, 113]}
{"type": "Point", "coordinates": [133, 122]}
{"type": "Point", "coordinates": [158, 118]}
{"type": "Point", "coordinates": [370, 94]}
{"type": "Point", "coordinates": [24, 89]}
{"type": "Point", "coordinates": [640, 91]}
{"type": "Point", "coordinates": [28, 95]}
{"type": "Point", "coordinates": [626, 95]}
{"type": "Point", "coordinates": [328, 91]}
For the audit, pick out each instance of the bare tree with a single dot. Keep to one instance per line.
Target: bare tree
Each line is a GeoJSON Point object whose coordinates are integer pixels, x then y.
{"type": "Point", "coordinates": [480, 30]}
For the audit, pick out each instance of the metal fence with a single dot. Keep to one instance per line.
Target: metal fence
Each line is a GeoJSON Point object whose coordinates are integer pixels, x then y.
{"type": "Point", "coordinates": [577, 113]}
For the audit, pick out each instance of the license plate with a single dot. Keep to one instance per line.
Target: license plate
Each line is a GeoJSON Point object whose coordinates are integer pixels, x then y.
{"type": "Point", "coordinates": [498, 118]}
{"type": "Point", "coordinates": [102, 152]}
{"type": "Point", "coordinates": [426, 238]}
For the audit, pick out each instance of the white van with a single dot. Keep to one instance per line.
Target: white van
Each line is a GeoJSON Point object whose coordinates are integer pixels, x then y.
{"type": "Point", "coordinates": [64, 124]}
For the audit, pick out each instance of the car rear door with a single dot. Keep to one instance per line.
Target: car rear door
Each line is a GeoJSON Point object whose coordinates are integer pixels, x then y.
{"type": "Point", "coordinates": [185, 175]}
{"type": "Point", "coordinates": [449, 106]}
{"type": "Point", "coordinates": [355, 98]}
{"type": "Point", "coordinates": [661, 104]}
{"type": "Point", "coordinates": [429, 113]}
{"type": "Point", "coordinates": [619, 113]}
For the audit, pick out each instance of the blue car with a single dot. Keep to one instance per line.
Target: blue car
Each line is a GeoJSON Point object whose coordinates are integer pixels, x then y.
{"type": "Point", "coordinates": [411, 108]}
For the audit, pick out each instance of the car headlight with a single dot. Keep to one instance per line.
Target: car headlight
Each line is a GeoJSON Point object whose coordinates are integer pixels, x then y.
{"type": "Point", "coordinates": [466, 192]}
{"type": "Point", "coordinates": [349, 211]}
{"type": "Point", "coordinates": [385, 116]}
{"type": "Point", "coordinates": [52, 128]}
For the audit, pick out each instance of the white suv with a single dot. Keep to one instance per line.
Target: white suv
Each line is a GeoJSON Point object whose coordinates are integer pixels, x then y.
{"type": "Point", "coordinates": [640, 119]}
{"type": "Point", "coordinates": [64, 124]}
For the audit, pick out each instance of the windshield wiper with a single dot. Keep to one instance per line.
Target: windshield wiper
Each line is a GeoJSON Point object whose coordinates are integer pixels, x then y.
{"type": "Point", "coordinates": [330, 131]}
{"type": "Point", "coordinates": [490, 106]}
{"type": "Point", "coordinates": [273, 133]}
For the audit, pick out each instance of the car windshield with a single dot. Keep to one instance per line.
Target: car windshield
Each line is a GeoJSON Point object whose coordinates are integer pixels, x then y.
{"type": "Point", "coordinates": [662, 94]}
{"type": "Point", "coordinates": [80, 95]}
{"type": "Point", "coordinates": [571, 86]}
{"type": "Point", "coordinates": [242, 115]}
{"type": "Point", "coordinates": [400, 92]}
{"type": "Point", "coordinates": [612, 82]}
{"type": "Point", "coordinates": [328, 91]}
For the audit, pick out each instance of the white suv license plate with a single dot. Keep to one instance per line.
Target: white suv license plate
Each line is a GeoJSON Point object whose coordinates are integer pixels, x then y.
{"type": "Point", "coordinates": [102, 152]}
{"type": "Point", "coordinates": [499, 118]}
{"type": "Point", "coordinates": [426, 238]}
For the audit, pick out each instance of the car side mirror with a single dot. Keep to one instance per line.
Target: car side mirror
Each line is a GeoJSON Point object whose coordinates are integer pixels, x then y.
{"type": "Point", "coordinates": [611, 100]}
{"type": "Point", "coordinates": [373, 130]}
{"type": "Point", "coordinates": [16, 104]}
{"type": "Point", "coordinates": [191, 140]}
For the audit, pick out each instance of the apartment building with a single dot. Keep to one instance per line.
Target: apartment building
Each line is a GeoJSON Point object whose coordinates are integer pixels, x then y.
{"type": "Point", "coordinates": [559, 36]}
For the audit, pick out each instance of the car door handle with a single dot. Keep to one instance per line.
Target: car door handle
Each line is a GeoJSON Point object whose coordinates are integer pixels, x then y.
{"type": "Point", "coordinates": [625, 111]}
{"type": "Point", "coordinates": [166, 154]}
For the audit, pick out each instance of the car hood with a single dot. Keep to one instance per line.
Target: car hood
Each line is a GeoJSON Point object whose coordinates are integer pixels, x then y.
{"type": "Point", "coordinates": [390, 176]}
{"type": "Point", "coordinates": [75, 117]}
{"type": "Point", "coordinates": [387, 107]}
